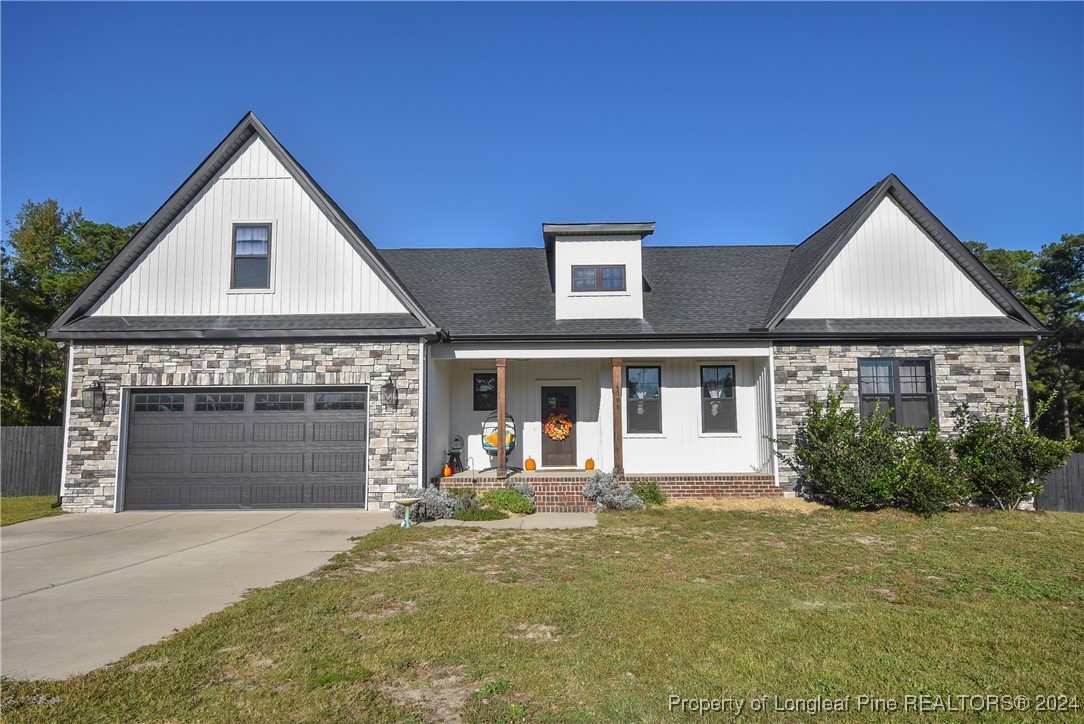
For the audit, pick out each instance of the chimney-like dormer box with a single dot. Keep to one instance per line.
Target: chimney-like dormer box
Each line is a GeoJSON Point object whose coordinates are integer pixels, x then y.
{"type": "Point", "coordinates": [597, 269]}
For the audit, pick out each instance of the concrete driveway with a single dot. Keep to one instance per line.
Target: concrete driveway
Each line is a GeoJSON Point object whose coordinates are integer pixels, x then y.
{"type": "Point", "coordinates": [80, 591]}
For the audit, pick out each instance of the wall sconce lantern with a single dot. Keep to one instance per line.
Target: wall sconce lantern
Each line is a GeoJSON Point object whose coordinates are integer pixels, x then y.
{"type": "Point", "coordinates": [94, 396]}
{"type": "Point", "coordinates": [389, 395]}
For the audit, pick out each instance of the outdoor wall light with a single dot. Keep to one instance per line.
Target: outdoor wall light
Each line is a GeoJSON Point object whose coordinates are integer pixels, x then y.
{"type": "Point", "coordinates": [94, 396]}
{"type": "Point", "coordinates": [389, 395]}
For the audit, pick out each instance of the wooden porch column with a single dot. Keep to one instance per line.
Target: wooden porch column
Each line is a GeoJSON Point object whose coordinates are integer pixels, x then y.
{"type": "Point", "coordinates": [502, 404]}
{"type": "Point", "coordinates": [619, 454]}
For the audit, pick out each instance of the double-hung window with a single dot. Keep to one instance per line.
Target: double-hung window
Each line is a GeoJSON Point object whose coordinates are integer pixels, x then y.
{"type": "Point", "coordinates": [644, 404]}
{"type": "Point", "coordinates": [598, 278]}
{"type": "Point", "coordinates": [904, 386]}
{"type": "Point", "coordinates": [718, 406]}
{"type": "Point", "coordinates": [251, 256]}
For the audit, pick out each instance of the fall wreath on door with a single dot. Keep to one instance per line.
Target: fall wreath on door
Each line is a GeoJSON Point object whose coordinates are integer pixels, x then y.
{"type": "Point", "coordinates": [558, 426]}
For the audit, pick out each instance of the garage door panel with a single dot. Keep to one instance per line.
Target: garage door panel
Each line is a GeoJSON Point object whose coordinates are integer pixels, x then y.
{"type": "Point", "coordinates": [156, 464]}
{"type": "Point", "coordinates": [218, 463]}
{"type": "Point", "coordinates": [338, 432]}
{"type": "Point", "coordinates": [216, 448]}
{"type": "Point", "coordinates": [278, 432]}
{"type": "Point", "coordinates": [218, 432]}
{"type": "Point", "coordinates": [281, 495]}
{"type": "Point", "coordinates": [156, 433]}
{"type": "Point", "coordinates": [338, 462]}
{"type": "Point", "coordinates": [278, 462]}
{"type": "Point", "coordinates": [341, 494]}
{"type": "Point", "coordinates": [226, 494]}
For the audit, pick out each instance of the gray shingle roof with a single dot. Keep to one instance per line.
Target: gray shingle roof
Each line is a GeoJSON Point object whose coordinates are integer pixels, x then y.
{"type": "Point", "coordinates": [296, 325]}
{"type": "Point", "coordinates": [702, 290]}
{"type": "Point", "coordinates": [964, 326]}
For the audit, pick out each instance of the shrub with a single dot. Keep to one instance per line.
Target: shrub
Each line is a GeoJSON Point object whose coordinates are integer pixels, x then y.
{"type": "Point", "coordinates": [510, 500]}
{"type": "Point", "coordinates": [463, 499]}
{"type": "Point", "coordinates": [648, 491]}
{"type": "Point", "coordinates": [435, 504]}
{"type": "Point", "coordinates": [609, 493]}
{"type": "Point", "coordinates": [853, 462]}
{"type": "Point", "coordinates": [525, 489]}
{"type": "Point", "coordinates": [1004, 458]}
{"type": "Point", "coordinates": [930, 479]}
{"type": "Point", "coordinates": [480, 514]}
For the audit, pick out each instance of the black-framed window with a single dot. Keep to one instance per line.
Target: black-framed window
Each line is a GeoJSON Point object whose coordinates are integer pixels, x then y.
{"type": "Point", "coordinates": [718, 403]}
{"type": "Point", "coordinates": [485, 391]}
{"type": "Point", "coordinates": [151, 402]}
{"type": "Point", "coordinates": [279, 402]}
{"type": "Point", "coordinates": [251, 256]}
{"type": "Point", "coordinates": [598, 278]}
{"type": "Point", "coordinates": [221, 402]}
{"type": "Point", "coordinates": [329, 401]}
{"type": "Point", "coordinates": [905, 387]}
{"type": "Point", "coordinates": [643, 408]}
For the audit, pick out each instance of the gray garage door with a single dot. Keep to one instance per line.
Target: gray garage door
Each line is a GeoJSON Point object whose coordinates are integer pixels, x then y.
{"type": "Point", "coordinates": [246, 448]}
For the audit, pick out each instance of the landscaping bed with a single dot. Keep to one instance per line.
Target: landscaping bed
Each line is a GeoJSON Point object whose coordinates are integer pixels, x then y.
{"type": "Point", "coordinates": [607, 623]}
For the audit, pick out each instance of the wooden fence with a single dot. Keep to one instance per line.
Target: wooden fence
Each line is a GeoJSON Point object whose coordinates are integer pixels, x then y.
{"type": "Point", "coordinates": [1064, 488]}
{"type": "Point", "coordinates": [30, 460]}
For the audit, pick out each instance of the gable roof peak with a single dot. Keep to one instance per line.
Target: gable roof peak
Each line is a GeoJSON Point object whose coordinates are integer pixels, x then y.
{"type": "Point", "coordinates": [810, 258]}
{"type": "Point", "coordinates": [205, 173]}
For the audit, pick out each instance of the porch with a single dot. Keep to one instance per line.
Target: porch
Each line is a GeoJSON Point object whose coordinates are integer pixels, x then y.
{"type": "Point", "coordinates": [698, 420]}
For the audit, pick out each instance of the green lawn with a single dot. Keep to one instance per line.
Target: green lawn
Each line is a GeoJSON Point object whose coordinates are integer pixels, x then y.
{"type": "Point", "coordinates": [604, 624]}
{"type": "Point", "coordinates": [16, 509]}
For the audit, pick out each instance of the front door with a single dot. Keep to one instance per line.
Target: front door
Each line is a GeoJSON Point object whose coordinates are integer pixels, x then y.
{"type": "Point", "coordinates": [559, 453]}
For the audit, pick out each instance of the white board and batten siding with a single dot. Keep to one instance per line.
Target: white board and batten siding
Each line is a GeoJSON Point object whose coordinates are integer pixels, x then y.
{"type": "Point", "coordinates": [891, 268]}
{"type": "Point", "coordinates": [603, 251]}
{"type": "Point", "coordinates": [187, 271]}
{"type": "Point", "coordinates": [681, 448]}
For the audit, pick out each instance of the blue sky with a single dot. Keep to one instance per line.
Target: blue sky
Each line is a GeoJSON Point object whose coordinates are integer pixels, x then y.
{"type": "Point", "coordinates": [470, 125]}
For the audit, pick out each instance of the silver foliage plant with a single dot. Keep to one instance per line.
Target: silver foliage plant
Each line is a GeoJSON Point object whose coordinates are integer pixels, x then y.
{"type": "Point", "coordinates": [434, 503]}
{"type": "Point", "coordinates": [608, 493]}
{"type": "Point", "coordinates": [525, 489]}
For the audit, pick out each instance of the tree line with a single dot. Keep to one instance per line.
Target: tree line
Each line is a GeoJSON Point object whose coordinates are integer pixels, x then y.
{"type": "Point", "coordinates": [50, 254]}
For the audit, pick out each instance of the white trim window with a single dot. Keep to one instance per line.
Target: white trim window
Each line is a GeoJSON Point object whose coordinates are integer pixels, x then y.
{"type": "Point", "coordinates": [718, 403]}
{"type": "Point", "coordinates": [644, 403]}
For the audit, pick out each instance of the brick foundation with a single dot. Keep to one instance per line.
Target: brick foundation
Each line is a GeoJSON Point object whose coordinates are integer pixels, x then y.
{"type": "Point", "coordinates": [564, 493]}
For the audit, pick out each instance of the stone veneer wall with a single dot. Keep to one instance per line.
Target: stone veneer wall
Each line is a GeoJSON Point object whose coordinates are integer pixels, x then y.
{"type": "Point", "coordinates": [90, 480]}
{"type": "Point", "coordinates": [987, 375]}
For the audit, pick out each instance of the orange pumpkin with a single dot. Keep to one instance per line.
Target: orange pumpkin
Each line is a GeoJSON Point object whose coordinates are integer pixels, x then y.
{"type": "Point", "coordinates": [529, 464]}
{"type": "Point", "coordinates": [447, 471]}
{"type": "Point", "coordinates": [590, 464]}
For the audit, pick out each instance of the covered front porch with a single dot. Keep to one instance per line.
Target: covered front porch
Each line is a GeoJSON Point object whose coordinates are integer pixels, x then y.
{"type": "Point", "coordinates": [698, 419]}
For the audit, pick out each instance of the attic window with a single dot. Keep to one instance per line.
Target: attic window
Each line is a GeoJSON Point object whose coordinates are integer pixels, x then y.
{"type": "Point", "coordinates": [598, 278]}
{"type": "Point", "coordinates": [251, 256]}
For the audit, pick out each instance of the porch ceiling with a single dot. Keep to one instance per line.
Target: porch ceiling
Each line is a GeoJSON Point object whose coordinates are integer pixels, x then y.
{"type": "Point", "coordinates": [601, 351]}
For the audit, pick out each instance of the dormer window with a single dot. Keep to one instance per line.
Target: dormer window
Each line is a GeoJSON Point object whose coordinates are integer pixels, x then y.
{"type": "Point", "coordinates": [251, 256]}
{"type": "Point", "coordinates": [598, 278]}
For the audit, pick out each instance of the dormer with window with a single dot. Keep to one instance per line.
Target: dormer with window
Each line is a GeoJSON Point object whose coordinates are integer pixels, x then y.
{"type": "Point", "coordinates": [597, 269]}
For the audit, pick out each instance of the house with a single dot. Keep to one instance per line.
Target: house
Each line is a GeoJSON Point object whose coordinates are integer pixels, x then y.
{"type": "Point", "coordinates": [250, 347]}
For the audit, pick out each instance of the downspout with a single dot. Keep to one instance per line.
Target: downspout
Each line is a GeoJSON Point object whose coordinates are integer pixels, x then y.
{"type": "Point", "coordinates": [67, 421]}
{"type": "Point", "coordinates": [423, 412]}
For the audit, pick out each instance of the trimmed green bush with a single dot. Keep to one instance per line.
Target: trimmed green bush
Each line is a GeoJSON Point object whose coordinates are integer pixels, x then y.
{"type": "Point", "coordinates": [1005, 458]}
{"type": "Point", "coordinates": [508, 500]}
{"type": "Point", "coordinates": [481, 514]}
{"type": "Point", "coordinates": [854, 462]}
{"type": "Point", "coordinates": [930, 479]}
{"type": "Point", "coordinates": [648, 491]}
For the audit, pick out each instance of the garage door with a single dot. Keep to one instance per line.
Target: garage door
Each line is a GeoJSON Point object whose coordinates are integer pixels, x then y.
{"type": "Point", "coordinates": [246, 448]}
